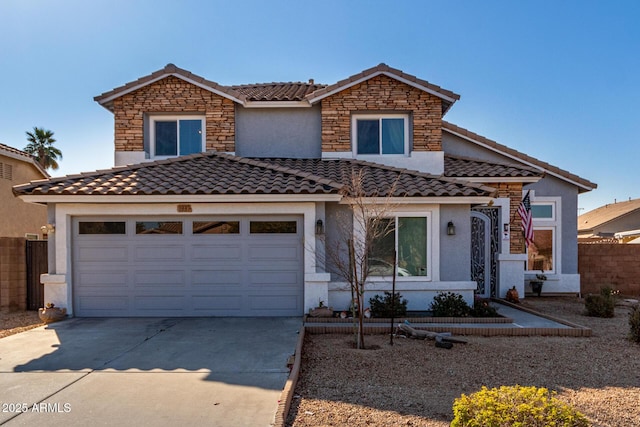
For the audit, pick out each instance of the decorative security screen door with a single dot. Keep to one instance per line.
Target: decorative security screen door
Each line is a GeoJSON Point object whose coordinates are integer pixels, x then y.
{"type": "Point", "coordinates": [484, 248]}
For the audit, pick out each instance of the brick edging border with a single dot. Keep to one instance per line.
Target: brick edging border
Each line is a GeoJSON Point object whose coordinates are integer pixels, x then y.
{"type": "Point", "coordinates": [284, 403]}
{"type": "Point", "coordinates": [537, 313]}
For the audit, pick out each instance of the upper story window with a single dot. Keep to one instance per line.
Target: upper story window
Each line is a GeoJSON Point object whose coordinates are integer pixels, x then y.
{"type": "Point", "coordinates": [376, 134]}
{"type": "Point", "coordinates": [176, 135]}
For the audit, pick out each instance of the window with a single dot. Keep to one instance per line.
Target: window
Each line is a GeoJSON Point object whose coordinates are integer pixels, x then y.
{"type": "Point", "coordinates": [160, 227]}
{"type": "Point", "coordinates": [542, 252]}
{"type": "Point", "coordinates": [173, 136]}
{"type": "Point", "coordinates": [409, 240]}
{"type": "Point", "coordinates": [102, 227]}
{"type": "Point", "coordinates": [216, 227]}
{"type": "Point", "coordinates": [273, 227]}
{"type": "Point", "coordinates": [380, 134]}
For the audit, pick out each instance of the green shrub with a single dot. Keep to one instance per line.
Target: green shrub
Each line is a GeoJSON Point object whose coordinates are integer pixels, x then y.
{"type": "Point", "coordinates": [602, 305]}
{"type": "Point", "coordinates": [482, 308]}
{"type": "Point", "coordinates": [634, 323]}
{"type": "Point", "coordinates": [449, 304]}
{"type": "Point", "coordinates": [514, 406]}
{"type": "Point", "coordinates": [381, 306]}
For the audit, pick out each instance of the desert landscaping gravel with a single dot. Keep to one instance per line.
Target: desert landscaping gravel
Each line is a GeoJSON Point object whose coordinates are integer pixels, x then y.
{"type": "Point", "coordinates": [413, 383]}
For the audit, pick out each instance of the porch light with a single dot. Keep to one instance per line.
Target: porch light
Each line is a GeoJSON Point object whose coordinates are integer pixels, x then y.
{"type": "Point", "coordinates": [451, 229]}
{"type": "Point", "coordinates": [319, 227]}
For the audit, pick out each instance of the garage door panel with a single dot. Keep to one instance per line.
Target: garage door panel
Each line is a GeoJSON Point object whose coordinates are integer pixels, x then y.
{"type": "Point", "coordinates": [273, 252]}
{"type": "Point", "coordinates": [216, 279]}
{"type": "Point", "coordinates": [273, 303]}
{"type": "Point", "coordinates": [159, 303]}
{"type": "Point", "coordinates": [103, 303]}
{"type": "Point", "coordinates": [103, 253]}
{"type": "Point", "coordinates": [160, 278]}
{"type": "Point", "coordinates": [275, 279]}
{"type": "Point", "coordinates": [108, 279]}
{"type": "Point", "coordinates": [159, 253]}
{"type": "Point", "coordinates": [213, 253]}
{"type": "Point", "coordinates": [217, 303]}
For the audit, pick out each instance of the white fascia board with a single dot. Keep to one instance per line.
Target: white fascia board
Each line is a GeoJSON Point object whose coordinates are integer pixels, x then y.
{"type": "Point", "coordinates": [181, 77]}
{"type": "Point", "coordinates": [388, 74]}
{"type": "Point", "coordinates": [518, 159]}
{"type": "Point", "coordinates": [277, 104]}
{"type": "Point", "coordinates": [476, 179]}
{"type": "Point", "coordinates": [183, 198]}
{"type": "Point", "coordinates": [395, 201]}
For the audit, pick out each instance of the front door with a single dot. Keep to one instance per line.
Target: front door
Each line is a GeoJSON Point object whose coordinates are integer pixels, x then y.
{"type": "Point", "coordinates": [484, 248]}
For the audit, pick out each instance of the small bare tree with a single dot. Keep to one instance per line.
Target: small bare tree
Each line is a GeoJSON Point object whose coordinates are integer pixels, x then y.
{"type": "Point", "coordinates": [368, 221]}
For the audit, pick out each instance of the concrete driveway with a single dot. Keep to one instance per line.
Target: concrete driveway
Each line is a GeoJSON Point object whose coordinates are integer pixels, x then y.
{"type": "Point", "coordinates": [147, 371]}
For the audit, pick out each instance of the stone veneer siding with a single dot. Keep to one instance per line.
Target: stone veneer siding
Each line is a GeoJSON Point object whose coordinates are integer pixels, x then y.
{"type": "Point", "coordinates": [387, 95]}
{"type": "Point", "coordinates": [514, 192]}
{"type": "Point", "coordinates": [173, 95]}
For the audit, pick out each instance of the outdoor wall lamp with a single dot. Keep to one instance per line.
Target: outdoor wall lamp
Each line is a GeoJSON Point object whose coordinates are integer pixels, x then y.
{"type": "Point", "coordinates": [319, 227]}
{"type": "Point", "coordinates": [451, 229]}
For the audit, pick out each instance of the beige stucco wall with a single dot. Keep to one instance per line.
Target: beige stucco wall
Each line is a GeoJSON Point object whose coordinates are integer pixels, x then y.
{"type": "Point", "coordinates": [17, 216]}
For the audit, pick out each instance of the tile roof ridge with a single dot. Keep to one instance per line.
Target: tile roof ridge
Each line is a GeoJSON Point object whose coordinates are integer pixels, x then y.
{"type": "Point", "coordinates": [264, 163]}
{"type": "Point", "coordinates": [518, 154]}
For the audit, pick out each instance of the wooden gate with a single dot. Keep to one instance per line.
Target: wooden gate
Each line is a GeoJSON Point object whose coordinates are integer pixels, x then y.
{"type": "Point", "coordinates": [36, 252]}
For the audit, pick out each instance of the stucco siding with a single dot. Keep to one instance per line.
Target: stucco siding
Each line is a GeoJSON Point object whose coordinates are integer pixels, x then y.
{"type": "Point", "coordinates": [455, 251]}
{"type": "Point", "coordinates": [278, 132]}
{"type": "Point", "coordinates": [17, 216]}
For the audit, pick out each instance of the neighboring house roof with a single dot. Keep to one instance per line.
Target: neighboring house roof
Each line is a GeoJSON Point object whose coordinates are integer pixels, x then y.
{"type": "Point", "coordinates": [582, 184]}
{"type": "Point", "coordinates": [14, 153]}
{"type": "Point", "coordinates": [447, 96]}
{"type": "Point", "coordinates": [218, 173]}
{"type": "Point", "coordinates": [310, 92]}
{"type": "Point", "coordinates": [604, 214]}
{"type": "Point", "coordinates": [478, 170]}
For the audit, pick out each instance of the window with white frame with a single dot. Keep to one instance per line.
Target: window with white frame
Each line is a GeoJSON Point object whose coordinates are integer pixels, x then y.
{"type": "Point", "coordinates": [409, 240]}
{"type": "Point", "coordinates": [176, 135]}
{"type": "Point", "coordinates": [542, 253]}
{"type": "Point", "coordinates": [375, 134]}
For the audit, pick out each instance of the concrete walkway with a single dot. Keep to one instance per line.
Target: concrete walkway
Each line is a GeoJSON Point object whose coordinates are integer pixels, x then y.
{"type": "Point", "coordinates": [158, 371]}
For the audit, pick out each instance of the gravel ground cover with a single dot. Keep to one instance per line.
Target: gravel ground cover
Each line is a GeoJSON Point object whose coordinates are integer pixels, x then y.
{"type": "Point", "coordinates": [413, 383]}
{"type": "Point", "coordinates": [13, 322]}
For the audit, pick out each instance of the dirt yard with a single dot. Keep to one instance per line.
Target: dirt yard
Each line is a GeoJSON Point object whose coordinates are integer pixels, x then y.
{"type": "Point", "coordinates": [413, 383]}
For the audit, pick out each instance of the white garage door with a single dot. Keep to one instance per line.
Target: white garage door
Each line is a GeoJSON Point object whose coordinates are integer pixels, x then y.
{"type": "Point", "coordinates": [210, 266]}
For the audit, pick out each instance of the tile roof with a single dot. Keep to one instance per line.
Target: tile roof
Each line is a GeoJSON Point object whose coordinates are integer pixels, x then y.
{"type": "Point", "coordinates": [22, 155]}
{"type": "Point", "coordinates": [287, 91]}
{"type": "Point", "coordinates": [217, 173]}
{"type": "Point", "coordinates": [464, 167]}
{"type": "Point", "coordinates": [448, 97]}
{"type": "Point", "coordinates": [106, 98]}
{"type": "Point", "coordinates": [609, 212]}
{"type": "Point", "coordinates": [583, 184]}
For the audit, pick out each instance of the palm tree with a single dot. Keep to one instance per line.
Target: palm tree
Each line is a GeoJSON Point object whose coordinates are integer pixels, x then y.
{"type": "Point", "coordinates": [41, 147]}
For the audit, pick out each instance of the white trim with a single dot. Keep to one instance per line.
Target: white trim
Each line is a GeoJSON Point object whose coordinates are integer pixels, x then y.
{"type": "Point", "coordinates": [432, 214]}
{"type": "Point", "coordinates": [499, 179]}
{"type": "Point", "coordinates": [518, 159]}
{"type": "Point", "coordinates": [277, 104]}
{"type": "Point", "coordinates": [375, 74]}
{"type": "Point", "coordinates": [555, 225]}
{"type": "Point", "coordinates": [379, 117]}
{"type": "Point", "coordinates": [165, 75]}
{"type": "Point", "coordinates": [159, 117]}
{"type": "Point", "coordinates": [181, 198]}
{"type": "Point", "coordinates": [424, 200]}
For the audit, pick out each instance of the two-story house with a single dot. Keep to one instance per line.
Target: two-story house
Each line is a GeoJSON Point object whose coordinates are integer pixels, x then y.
{"type": "Point", "coordinates": [225, 199]}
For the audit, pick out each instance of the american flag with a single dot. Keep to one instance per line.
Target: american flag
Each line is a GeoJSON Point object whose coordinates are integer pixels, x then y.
{"type": "Point", "coordinates": [524, 210]}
